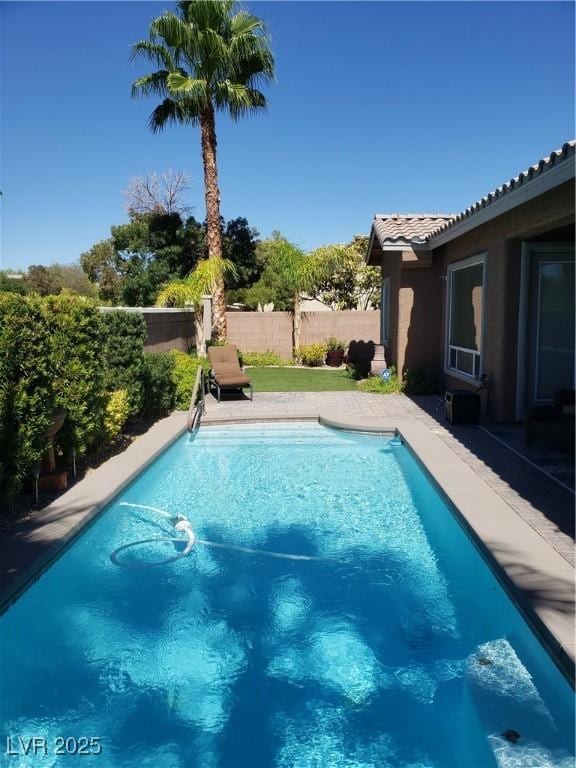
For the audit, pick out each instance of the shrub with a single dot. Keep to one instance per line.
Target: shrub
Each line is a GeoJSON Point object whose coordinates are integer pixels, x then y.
{"type": "Point", "coordinates": [333, 344]}
{"type": "Point", "coordinates": [312, 354]}
{"type": "Point", "coordinates": [377, 385]}
{"type": "Point", "coordinates": [158, 383]}
{"type": "Point", "coordinates": [50, 357]}
{"type": "Point", "coordinates": [27, 398]}
{"type": "Point", "coordinates": [124, 335]}
{"type": "Point", "coordinates": [75, 329]}
{"type": "Point", "coordinates": [184, 376]}
{"type": "Point", "coordinates": [263, 359]}
{"type": "Point", "coordinates": [417, 382]}
{"type": "Point", "coordinates": [117, 410]}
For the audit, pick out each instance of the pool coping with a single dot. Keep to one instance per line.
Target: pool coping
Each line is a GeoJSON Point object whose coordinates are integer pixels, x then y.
{"type": "Point", "coordinates": [544, 593]}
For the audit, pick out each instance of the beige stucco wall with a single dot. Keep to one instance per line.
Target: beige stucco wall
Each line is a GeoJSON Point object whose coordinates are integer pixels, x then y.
{"type": "Point", "coordinates": [502, 239]}
{"type": "Point", "coordinates": [418, 319]}
{"type": "Point", "coordinates": [263, 331]}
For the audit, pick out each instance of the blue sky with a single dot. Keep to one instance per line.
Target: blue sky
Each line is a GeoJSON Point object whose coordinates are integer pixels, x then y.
{"type": "Point", "coordinates": [378, 107]}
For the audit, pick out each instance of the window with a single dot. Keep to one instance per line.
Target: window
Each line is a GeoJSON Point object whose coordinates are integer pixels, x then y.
{"type": "Point", "coordinates": [385, 310]}
{"type": "Point", "coordinates": [465, 316]}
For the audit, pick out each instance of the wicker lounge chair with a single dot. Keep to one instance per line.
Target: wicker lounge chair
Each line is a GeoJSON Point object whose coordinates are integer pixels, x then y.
{"type": "Point", "coordinates": [225, 370]}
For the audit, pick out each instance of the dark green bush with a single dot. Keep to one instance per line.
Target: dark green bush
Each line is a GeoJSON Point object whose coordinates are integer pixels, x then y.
{"type": "Point", "coordinates": [50, 357]}
{"type": "Point", "coordinates": [77, 368]}
{"type": "Point", "coordinates": [158, 384]}
{"type": "Point", "coordinates": [124, 335]}
{"type": "Point", "coordinates": [27, 398]}
{"type": "Point", "coordinates": [417, 382]}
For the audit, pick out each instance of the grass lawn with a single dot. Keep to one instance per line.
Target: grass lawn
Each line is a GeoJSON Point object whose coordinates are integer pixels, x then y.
{"type": "Point", "coordinates": [299, 380]}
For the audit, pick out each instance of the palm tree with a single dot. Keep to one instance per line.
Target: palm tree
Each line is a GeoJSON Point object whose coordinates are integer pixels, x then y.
{"type": "Point", "coordinates": [210, 58]}
{"type": "Point", "coordinates": [189, 291]}
{"type": "Point", "coordinates": [303, 273]}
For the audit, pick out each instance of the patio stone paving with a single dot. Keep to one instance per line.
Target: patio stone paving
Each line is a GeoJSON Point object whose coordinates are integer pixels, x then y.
{"type": "Point", "coordinates": [536, 497]}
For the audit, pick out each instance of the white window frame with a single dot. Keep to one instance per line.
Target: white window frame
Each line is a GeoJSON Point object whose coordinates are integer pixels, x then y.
{"type": "Point", "coordinates": [472, 261]}
{"type": "Point", "coordinates": [385, 311]}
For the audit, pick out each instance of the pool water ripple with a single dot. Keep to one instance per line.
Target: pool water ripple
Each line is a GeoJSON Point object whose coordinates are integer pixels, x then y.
{"type": "Point", "coordinates": [392, 646]}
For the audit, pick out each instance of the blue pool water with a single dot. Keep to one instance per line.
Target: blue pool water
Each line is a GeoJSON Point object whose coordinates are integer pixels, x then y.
{"type": "Point", "coordinates": [391, 646]}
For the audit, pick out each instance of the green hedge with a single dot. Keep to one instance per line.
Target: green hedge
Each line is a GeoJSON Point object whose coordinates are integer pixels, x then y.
{"type": "Point", "coordinates": [184, 376]}
{"type": "Point", "coordinates": [50, 357]}
{"type": "Point", "coordinates": [27, 398]}
{"type": "Point", "coordinates": [124, 336]}
{"type": "Point", "coordinates": [78, 376]}
{"type": "Point", "coordinates": [158, 384]}
{"type": "Point", "coordinates": [264, 359]}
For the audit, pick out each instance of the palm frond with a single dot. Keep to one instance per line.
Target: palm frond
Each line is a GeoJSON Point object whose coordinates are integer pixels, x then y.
{"type": "Point", "coordinates": [177, 293]}
{"type": "Point", "coordinates": [153, 84]}
{"type": "Point", "coordinates": [207, 14]}
{"type": "Point", "coordinates": [203, 280]}
{"type": "Point", "coordinates": [244, 24]}
{"type": "Point", "coordinates": [154, 52]}
{"type": "Point", "coordinates": [238, 99]}
{"type": "Point", "coordinates": [194, 88]}
{"type": "Point", "coordinates": [168, 112]}
{"type": "Point", "coordinates": [171, 29]}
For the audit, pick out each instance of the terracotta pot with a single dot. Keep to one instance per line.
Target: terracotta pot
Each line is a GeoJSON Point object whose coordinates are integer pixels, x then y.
{"type": "Point", "coordinates": [334, 357]}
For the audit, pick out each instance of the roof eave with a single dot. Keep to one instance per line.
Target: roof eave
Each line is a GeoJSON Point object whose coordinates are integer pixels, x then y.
{"type": "Point", "coordinates": [554, 177]}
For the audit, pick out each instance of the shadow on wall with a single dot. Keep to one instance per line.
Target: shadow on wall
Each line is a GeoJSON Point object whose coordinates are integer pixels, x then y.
{"type": "Point", "coordinates": [360, 356]}
{"type": "Point", "coordinates": [422, 289]}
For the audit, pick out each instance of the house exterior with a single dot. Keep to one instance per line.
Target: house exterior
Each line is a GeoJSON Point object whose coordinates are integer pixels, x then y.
{"type": "Point", "coordinates": [488, 292]}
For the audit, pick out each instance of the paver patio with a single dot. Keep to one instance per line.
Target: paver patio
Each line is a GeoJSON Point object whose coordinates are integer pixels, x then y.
{"type": "Point", "coordinates": [535, 496]}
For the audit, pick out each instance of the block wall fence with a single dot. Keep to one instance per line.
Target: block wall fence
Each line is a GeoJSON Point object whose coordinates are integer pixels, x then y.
{"type": "Point", "coordinates": [257, 331]}
{"type": "Point", "coordinates": [272, 331]}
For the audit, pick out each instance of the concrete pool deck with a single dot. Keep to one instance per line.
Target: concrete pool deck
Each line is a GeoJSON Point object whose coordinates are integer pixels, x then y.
{"type": "Point", "coordinates": [521, 517]}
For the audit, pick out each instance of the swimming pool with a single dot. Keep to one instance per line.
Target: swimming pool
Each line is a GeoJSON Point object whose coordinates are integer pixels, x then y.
{"type": "Point", "coordinates": [346, 622]}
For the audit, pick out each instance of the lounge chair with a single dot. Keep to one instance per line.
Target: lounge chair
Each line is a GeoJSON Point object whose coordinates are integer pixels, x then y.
{"type": "Point", "coordinates": [225, 370]}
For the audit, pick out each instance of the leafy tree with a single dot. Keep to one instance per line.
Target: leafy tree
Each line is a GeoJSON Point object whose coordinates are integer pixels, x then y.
{"type": "Point", "coordinates": [39, 280]}
{"type": "Point", "coordinates": [209, 59]}
{"type": "Point", "coordinates": [58, 277]}
{"type": "Point", "coordinates": [12, 285]}
{"type": "Point", "coordinates": [240, 242]}
{"type": "Point", "coordinates": [353, 285]}
{"type": "Point", "coordinates": [152, 249]}
{"type": "Point", "coordinates": [301, 273]}
{"type": "Point", "coordinates": [99, 264]}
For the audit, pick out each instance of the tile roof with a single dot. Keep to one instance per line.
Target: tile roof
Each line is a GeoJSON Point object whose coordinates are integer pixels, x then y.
{"type": "Point", "coordinates": [407, 228]}
{"type": "Point", "coordinates": [564, 154]}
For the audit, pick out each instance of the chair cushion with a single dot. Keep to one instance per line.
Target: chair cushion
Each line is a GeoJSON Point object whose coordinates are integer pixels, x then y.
{"type": "Point", "coordinates": [233, 380]}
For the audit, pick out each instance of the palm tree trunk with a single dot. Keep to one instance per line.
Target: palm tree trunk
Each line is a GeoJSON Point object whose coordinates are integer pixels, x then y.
{"type": "Point", "coordinates": [297, 321]}
{"type": "Point", "coordinates": [213, 233]}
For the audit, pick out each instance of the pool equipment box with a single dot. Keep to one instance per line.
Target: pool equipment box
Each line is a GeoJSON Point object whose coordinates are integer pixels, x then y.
{"type": "Point", "coordinates": [462, 406]}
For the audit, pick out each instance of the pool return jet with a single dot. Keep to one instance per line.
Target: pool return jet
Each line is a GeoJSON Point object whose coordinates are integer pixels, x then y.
{"type": "Point", "coordinates": [182, 524]}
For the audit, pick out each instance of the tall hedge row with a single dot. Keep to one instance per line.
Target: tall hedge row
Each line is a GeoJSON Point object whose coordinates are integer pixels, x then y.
{"type": "Point", "coordinates": [27, 396]}
{"type": "Point", "coordinates": [124, 335]}
{"type": "Point", "coordinates": [61, 352]}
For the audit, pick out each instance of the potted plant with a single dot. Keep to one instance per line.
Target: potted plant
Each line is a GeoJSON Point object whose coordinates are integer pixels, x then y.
{"type": "Point", "coordinates": [335, 353]}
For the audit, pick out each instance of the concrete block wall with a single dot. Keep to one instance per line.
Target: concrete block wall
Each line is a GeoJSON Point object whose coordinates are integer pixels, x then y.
{"type": "Point", "coordinates": [261, 332]}
{"type": "Point", "coordinates": [347, 325]}
{"type": "Point", "coordinates": [272, 331]}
